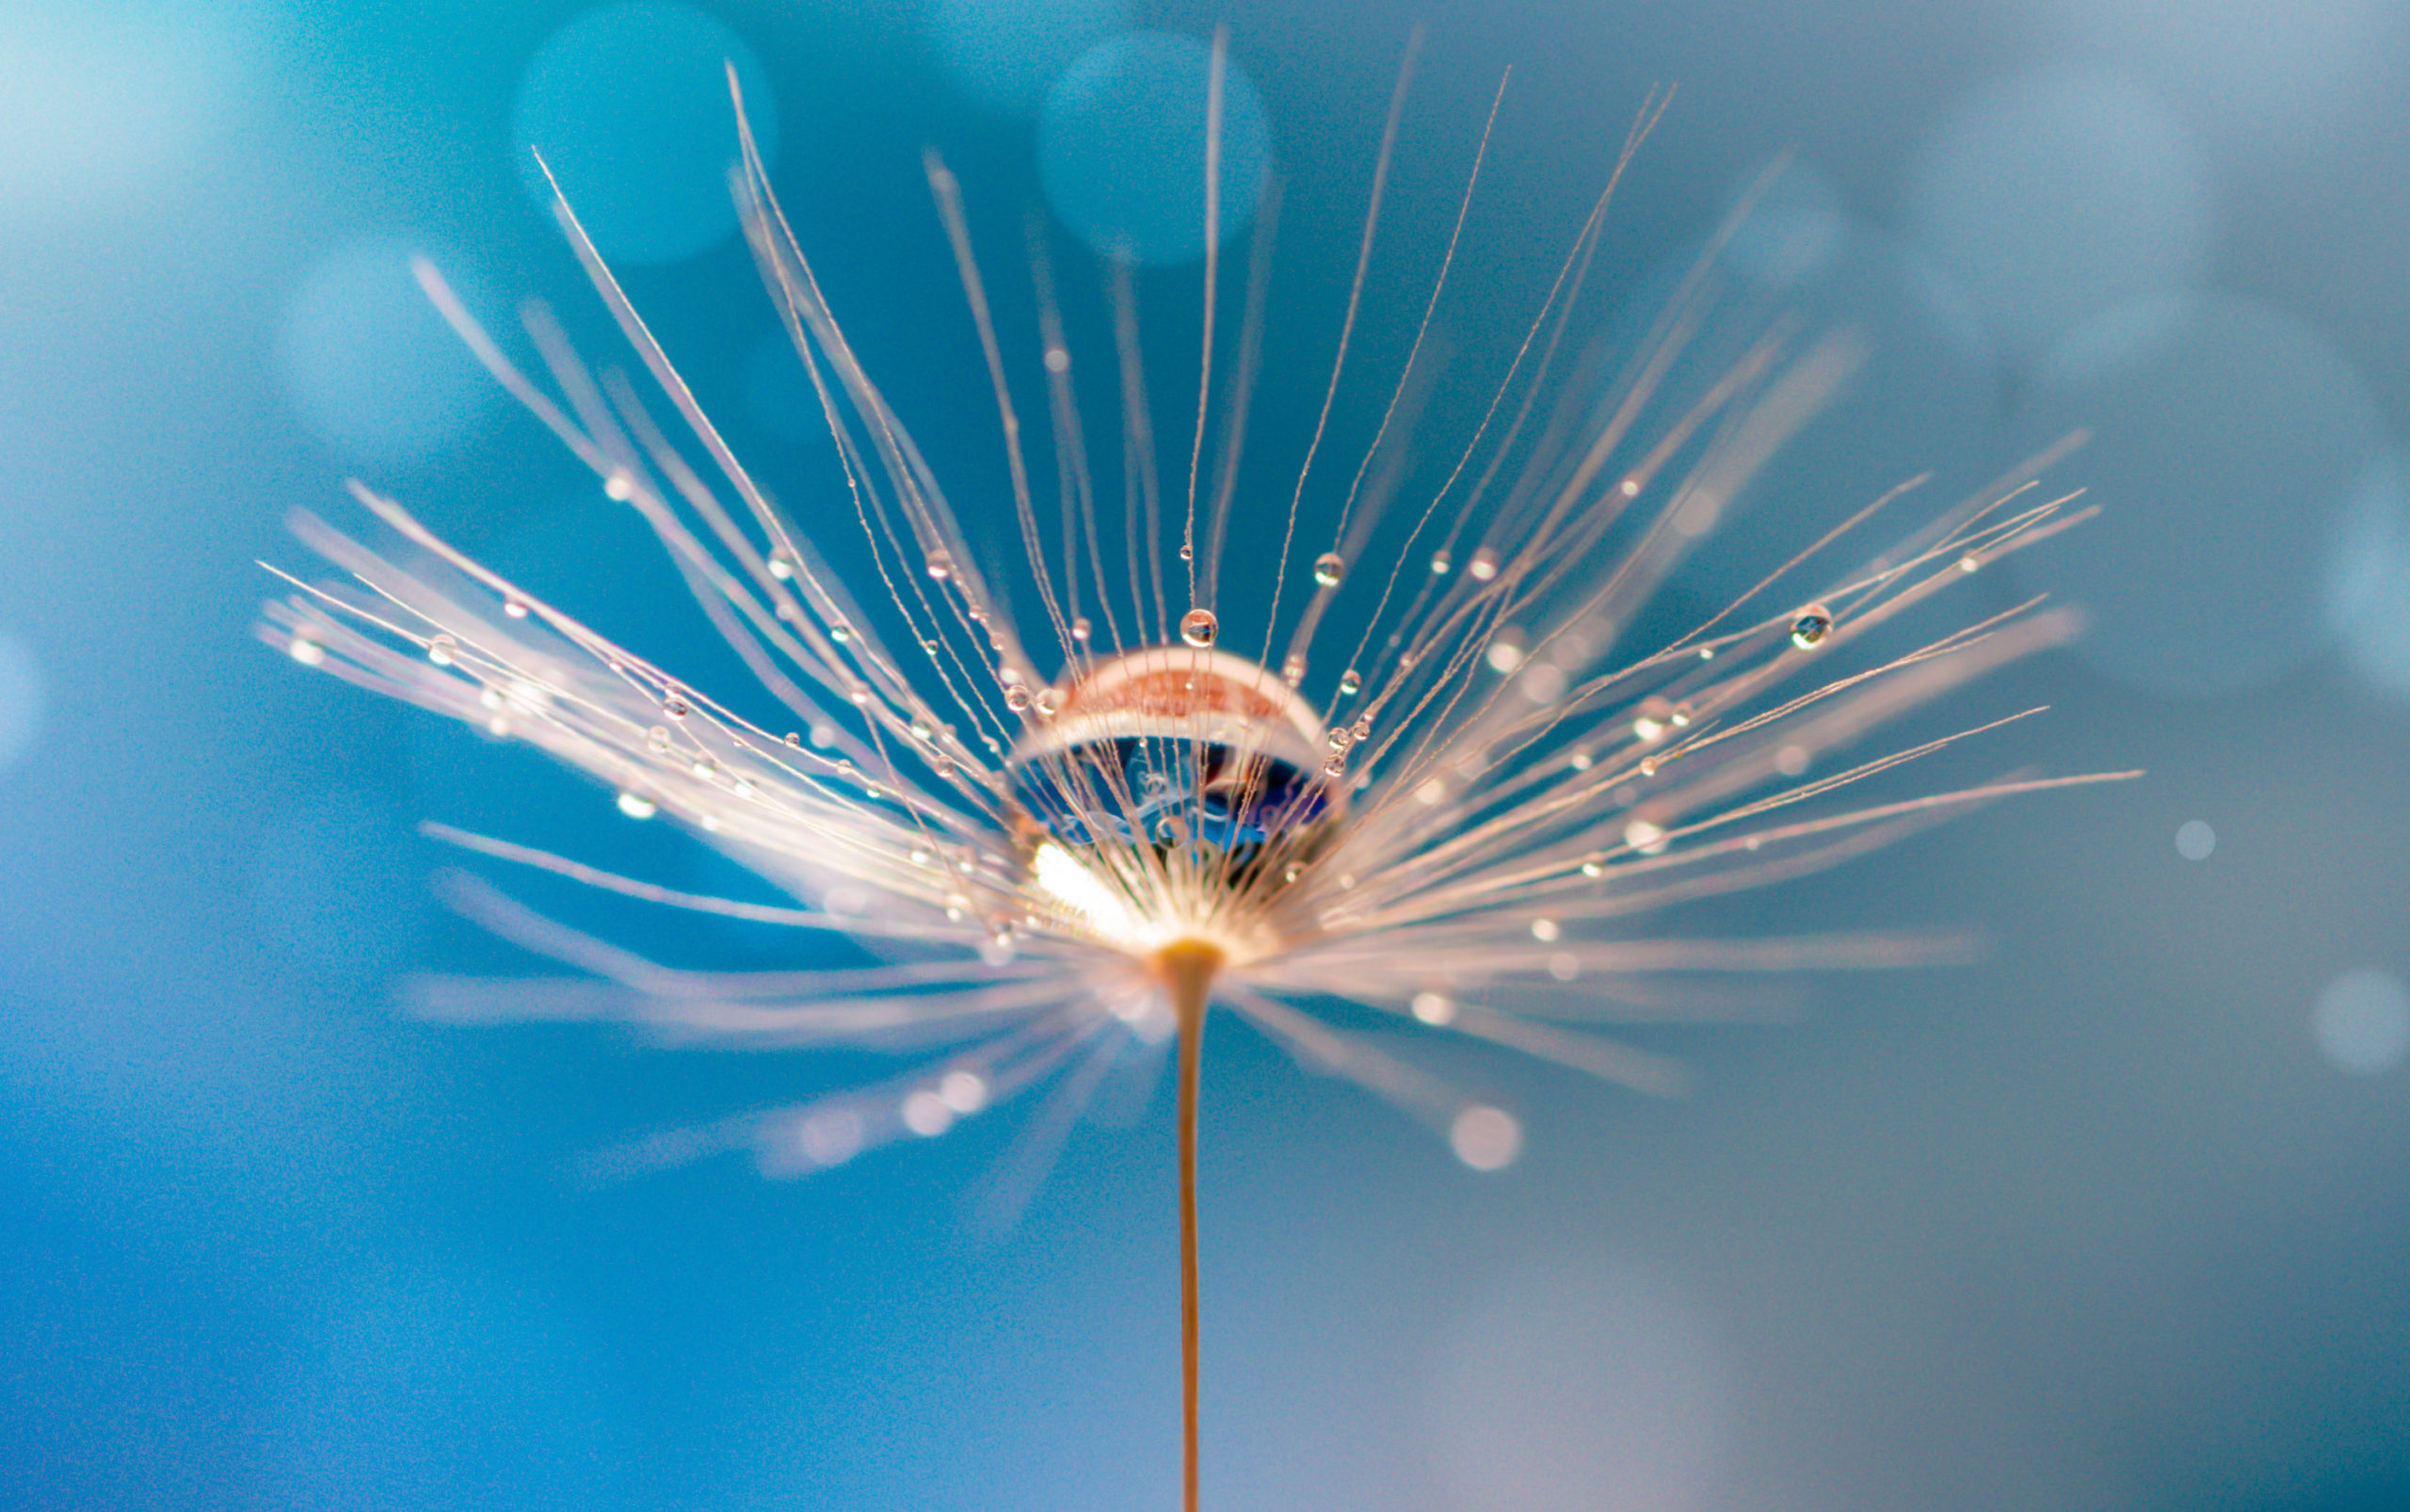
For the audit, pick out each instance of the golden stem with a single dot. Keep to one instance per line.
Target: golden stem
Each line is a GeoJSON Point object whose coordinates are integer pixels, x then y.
{"type": "Point", "coordinates": [1187, 970]}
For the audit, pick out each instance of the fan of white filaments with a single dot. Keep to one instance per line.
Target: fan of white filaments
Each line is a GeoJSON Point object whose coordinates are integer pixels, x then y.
{"type": "Point", "coordinates": [1498, 782]}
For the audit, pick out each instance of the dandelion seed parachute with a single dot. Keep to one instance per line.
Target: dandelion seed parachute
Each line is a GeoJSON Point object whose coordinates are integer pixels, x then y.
{"type": "Point", "coordinates": [1060, 834]}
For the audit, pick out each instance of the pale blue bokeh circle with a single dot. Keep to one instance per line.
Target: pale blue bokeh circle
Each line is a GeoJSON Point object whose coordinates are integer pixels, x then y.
{"type": "Point", "coordinates": [2057, 195]}
{"type": "Point", "coordinates": [628, 106]}
{"type": "Point", "coordinates": [1122, 147]}
{"type": "Point", "coordinates": [2228, 442]}
{"type": "Point", "coordinates": [1002, 54]}
{"type": "Point", "coordinates": [369, 365]}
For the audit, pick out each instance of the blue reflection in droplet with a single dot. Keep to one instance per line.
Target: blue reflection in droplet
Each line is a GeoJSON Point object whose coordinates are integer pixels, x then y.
{"type": "Point", "coordinates": [1122, 147]}
{"type": "Point", "coordinates": [20, 699]}
{"type": "Point", "coordinates": [2227, 441]}
{"type": "Point", "coordinates": [2057, 196]}
{"type": "Point", "coordinates": [368, 364]}
{"type": "Point", "coordinates": [628, 106]}
{"type": "Point", "coordinates": [1002, 53]}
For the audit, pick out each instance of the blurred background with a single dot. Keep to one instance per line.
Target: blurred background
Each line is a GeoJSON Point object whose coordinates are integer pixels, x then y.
{"type": "Point", "coordinates": [2114, 1220]}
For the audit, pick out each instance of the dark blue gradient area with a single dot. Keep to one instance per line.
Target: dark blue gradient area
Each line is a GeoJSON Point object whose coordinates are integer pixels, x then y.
{"type": "Point", "coordinates": [2115, 1219]}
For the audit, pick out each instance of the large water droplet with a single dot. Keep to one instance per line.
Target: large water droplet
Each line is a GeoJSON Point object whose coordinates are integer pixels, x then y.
{"type": "Point", "coordinates": [1329, 569]}
{"type": "Point", "coordinates": [1350, 684]}
{"type": "Point", "coordinates": [676, 707]}
{"type": "Point", "coordinates": [1810, 625]}
{"type": "Point", "coordinates": [440, 649]}
{"type": "Point", "coordinates": [1082, 630]}
{"type": "Point", "coordinates": [307, 652]}
{"type": "Point", "coordinates": [515, 609]}
{"type": "Point", "coordinates": [1016, 698]}
{"type": "Point", "coordinates": [1484, 565]}
{"type": "Point", "coordinates": [637, 806]}
{"type": "Point", "coordinates": [657, 737]}
{"type": "Point", "coordinates": [1440, 563]}
{"type": "Point", "coordinates": [940, 567]}
{"type": "Point", "coordinates": [1199, 627]}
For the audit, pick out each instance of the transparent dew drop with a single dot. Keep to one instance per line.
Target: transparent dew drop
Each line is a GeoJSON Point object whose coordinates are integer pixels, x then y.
{"type": "Point", "coordinates": [1644, 837]}
{"type": "Point", "coordinates": [1706, 653]}
{"type": "Point", "coordinates": [637, 806]}
{"type": "Point", "coordinates": [1340, 737]}
{"type": "Point", "coordinates": [619, 485]}
{"type": "Point", "coordinates": [307, 652]}
{"type": "Point", "coordinates": [1434, 1009]}
{"type": "Point", "coordinates": [1546, 932]}
{"type": "Point", "coordinates": [1335, 767]}
{"type": "Point", "coordinates": [1594, 866]}
{"type": "Point", "coordinates": [440, 649]}
{"type": "Point", "coordinates": [676, 707]}
{"type": "Point", "coordinates": [1441, 564]}
{"type": "Point", "coordinates": [1187, 552]}
{"type": "Point", "coordinates": [657, 737]}
{"type": "Point", "coordinates": [1050, 700]}
{"type": "Point", "coordinates": [1969, 562]}
{"type": "Point", "coordinates": [1362, 728]}
{"type": "Point", "coordinates": [1484, 565]}
{"type": "Point", "coordinates": [515, 609]}
{"type": "Point", "coordinates": [922, 729]}
{"type": "Point", "coordinates": [1649, 766]}
{"type": "Point", "coordinates": [1809, 626]}
{"type": "Point", "coordinates": [795, 741]}
{"type": "Point", "coordinates": [1350, 684]}
{"type": "Point", "coordinates": [780, 567]}
{"type": "Point", "coordinates": [1016, 698]}
{"type": "Point", "coordinates": [940, 568]}
{"type": "Point", "coordinates": [1329, 568]}
{"type": "Point", "coordinates": [1578, 761]}
{"type": "Point", "coordinates": [1681, 717]}
{"type": "Point", "coordinates": [840, 633]}
{"type": "Point", "coordinates": [1082, 630]}
{"type": "Point", "coordinates": [1199, 627]}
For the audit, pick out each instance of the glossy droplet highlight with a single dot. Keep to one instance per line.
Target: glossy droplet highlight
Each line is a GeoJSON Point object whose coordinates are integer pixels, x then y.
{"type": "Point", "coordinates": [1082, 630]}
{"type": "Point", "coordinates": [637, 806]}
{"type": "Point", "coordinates": [940, 567]}
{"type": "Point", "coordinates": [515, 609]}
{"type": "Point", "coordinates": [1350, 684]}
{"type": "Point", "coordinates": [1329, 568]}
{"type": "Point", "coordinates": [1440, 563]}
{"type": "Point", "coordinates": [440, 649]}
{"type": "Point", "coordinates": [1809, 626]}
{"type": "Point", "coordinates": [1199, 627]}
{"type": "Point", "coordinates": [1484, 565]}
{"type": "Point", "coordinates": [1016, 698]}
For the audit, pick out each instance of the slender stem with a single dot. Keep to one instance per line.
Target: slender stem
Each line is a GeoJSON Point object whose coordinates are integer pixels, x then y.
{"type": "Point", "coordinates": [1187, 970]}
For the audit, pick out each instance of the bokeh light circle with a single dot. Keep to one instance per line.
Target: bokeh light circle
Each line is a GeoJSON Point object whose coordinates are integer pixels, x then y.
{"type": "Point", "coordinates": [2367, 587]}
{"type": "Point", "coordinates": [2361, 1023]}
{"type": "Point", "coordinates": [2228, 441]}
{"type": "Point", "coordinates": [1572, 1384]}
{"type": "Point", "coordinates": [368, 364]}
{"type": "Point", "coordinates": [22, 697]}
{"type": "Point", "coordinates": [1122, 147]}
{"type": "Point", "coordinates": [2057, 195]}
{"type": "Point", "coordinates": [2196, 840]}
{"type": "Point", "coordinates": [1002, 54]}
{"type": "Point", "coordinates": [628, 106]}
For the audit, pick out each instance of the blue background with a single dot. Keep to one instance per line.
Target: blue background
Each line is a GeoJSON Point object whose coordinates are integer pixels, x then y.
{"type": "Point", "coordinates": [2101, 1222]}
